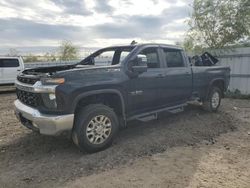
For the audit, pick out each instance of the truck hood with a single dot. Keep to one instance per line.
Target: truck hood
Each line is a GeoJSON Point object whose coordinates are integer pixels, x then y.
{"type": "Point", "coordinates": [66, 70]}
{"type": "Point", "coordinates": [90, 73]}
{"type": "Point", "coordinates": [47, 70]}
{"type": "Point", "coordinates": [56, 69]}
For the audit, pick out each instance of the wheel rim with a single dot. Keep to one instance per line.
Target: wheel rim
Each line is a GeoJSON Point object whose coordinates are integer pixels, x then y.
{"type": "Point", "coordinates": [98, 129]}
{"type": "Point", "coordinates": [215, 99]}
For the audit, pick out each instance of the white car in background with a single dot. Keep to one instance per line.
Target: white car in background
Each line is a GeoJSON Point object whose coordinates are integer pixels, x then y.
{"type": "Point", "coordinates": [10, 67]}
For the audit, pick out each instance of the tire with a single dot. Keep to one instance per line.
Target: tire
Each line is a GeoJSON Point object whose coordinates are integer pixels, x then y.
{"type": "Point", "coordinates": [95, 127]}
{"type": "Point", "coordinates": [214, 99]}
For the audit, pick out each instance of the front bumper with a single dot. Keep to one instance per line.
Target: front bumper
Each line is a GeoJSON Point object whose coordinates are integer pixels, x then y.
{"type": "Point", "coordinates": [44, 123]}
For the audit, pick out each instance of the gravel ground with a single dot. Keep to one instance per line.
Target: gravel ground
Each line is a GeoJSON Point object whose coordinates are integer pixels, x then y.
{"type": "Point", "coordinates": [193, 148]}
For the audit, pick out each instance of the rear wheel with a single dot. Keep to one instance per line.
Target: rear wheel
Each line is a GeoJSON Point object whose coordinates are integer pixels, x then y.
{"type": "Point", "coordinates": [213, 101]}
{"type": "Point", "coordinates": [95, 127]}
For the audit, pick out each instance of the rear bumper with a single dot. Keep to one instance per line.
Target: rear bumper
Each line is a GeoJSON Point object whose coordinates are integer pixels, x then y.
{"type": "Point", "coordinates": [44, 123]}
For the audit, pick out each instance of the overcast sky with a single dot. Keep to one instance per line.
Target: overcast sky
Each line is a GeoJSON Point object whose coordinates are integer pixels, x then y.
{"type": "Point", "coordinates": [91, 23]}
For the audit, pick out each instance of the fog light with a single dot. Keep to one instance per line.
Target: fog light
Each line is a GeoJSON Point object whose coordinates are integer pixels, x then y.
{"type": "Point", "coordinates": [52, 96]}
{"type": "Point", "coordinates": [49, 100]}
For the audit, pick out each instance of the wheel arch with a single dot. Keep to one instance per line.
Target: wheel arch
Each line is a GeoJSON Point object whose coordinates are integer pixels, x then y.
{"type": "Point", "coordinates": [218, 82]}
{"type": "Point", "coordinates": [109, 96]}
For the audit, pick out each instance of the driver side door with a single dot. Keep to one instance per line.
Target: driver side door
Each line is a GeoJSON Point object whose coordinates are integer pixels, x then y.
{"type": "Point", "coordinates": [144, 89]}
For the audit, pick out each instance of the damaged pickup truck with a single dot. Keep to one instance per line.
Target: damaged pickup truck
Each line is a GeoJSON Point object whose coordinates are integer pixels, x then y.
{"type": "Point", "coordinates": [95, 97]}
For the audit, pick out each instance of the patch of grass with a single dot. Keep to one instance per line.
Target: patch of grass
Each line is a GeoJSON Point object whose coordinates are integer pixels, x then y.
{"type": "Point", "coordinates": [236, 94]}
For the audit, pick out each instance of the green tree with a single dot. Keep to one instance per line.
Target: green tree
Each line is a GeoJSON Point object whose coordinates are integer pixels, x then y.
{"type": "Point", "coordinates": [49, 57]}
{"type": "Point", "coordinates": [67, 51]}
{"type": "Point", "coordinates": [218, 23]}
{"type": "Point", "coordinates": [30, 58]}
{"type": "Point", "coordinates": [190, 46]}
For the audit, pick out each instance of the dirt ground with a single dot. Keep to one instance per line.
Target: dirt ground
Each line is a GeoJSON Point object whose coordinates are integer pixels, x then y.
{"type": "Point", "coordinates": [191, 149]}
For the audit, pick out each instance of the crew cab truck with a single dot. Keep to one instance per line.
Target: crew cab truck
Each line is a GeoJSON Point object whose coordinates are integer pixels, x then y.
{"type": "Point", "coordinates": [10, 67]}
{"type": "Point", "coordinates": [95, 97]}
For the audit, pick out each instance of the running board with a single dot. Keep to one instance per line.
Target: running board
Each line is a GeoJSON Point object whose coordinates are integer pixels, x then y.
{"type": "Point", "coordinates": [147, 117]}
{"type": "Point", "coordinates": [154, 114]}
{"type": "Point", "coordinates": [176, 110]}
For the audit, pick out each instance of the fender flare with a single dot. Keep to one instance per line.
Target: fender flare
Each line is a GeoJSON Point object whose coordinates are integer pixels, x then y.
{"type": "Point", "coordinates": [102, 91]}
{"type": "Point", "coordinates": [211, 83]}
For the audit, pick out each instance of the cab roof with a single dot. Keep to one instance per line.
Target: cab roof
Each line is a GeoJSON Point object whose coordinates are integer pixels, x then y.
{"type": "Point", "coordinates": [147, 44]}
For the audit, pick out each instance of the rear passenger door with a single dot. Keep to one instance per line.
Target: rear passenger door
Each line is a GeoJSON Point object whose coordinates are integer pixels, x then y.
{"type": "Point", "coordinates": [9, 68]}
{"type": "Point", "coordinates": [178, 77]}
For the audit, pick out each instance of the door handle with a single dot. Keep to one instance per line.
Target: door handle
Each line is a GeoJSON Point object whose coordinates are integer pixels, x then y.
{"type": "Point", "coordinates": [18, 70]}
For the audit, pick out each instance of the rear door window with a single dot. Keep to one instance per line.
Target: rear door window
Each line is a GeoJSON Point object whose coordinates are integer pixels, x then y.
{"type": "Point", "coordinates": [174, 58]}
{"type": "Point", "coordinates": [9, 63]}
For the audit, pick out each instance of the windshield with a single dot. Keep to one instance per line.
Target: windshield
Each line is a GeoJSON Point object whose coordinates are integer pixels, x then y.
{"type": "Point", "coordinates": [107, 57]}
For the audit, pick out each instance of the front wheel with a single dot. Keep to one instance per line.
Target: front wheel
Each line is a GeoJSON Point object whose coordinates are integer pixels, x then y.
{"type": "Point", "coordinates": [95, 127]}
{"type": "Point", "coordinates": [214, 99]}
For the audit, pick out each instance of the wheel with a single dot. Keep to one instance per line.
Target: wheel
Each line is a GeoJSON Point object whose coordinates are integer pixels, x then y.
{"type": "Point", "coordinates": [95, 127]}
{"type": "Point", "coordinates": [213, 101]}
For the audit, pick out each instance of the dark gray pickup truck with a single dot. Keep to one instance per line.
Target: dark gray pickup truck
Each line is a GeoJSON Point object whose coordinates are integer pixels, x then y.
{"type": "Point", "coordinates": [95, 97]}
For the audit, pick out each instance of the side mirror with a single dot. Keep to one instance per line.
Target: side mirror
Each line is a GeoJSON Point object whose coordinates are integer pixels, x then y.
{"type": "Point", "coordinates": [139, 65]}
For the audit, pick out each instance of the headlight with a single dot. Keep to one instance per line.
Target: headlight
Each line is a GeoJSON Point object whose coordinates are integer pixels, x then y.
{"type": "Point", "coordinates": [53, 81]}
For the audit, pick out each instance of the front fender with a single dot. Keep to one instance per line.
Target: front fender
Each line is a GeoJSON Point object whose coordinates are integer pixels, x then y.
{"type": "Point", "coordinates": [102, 91]}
